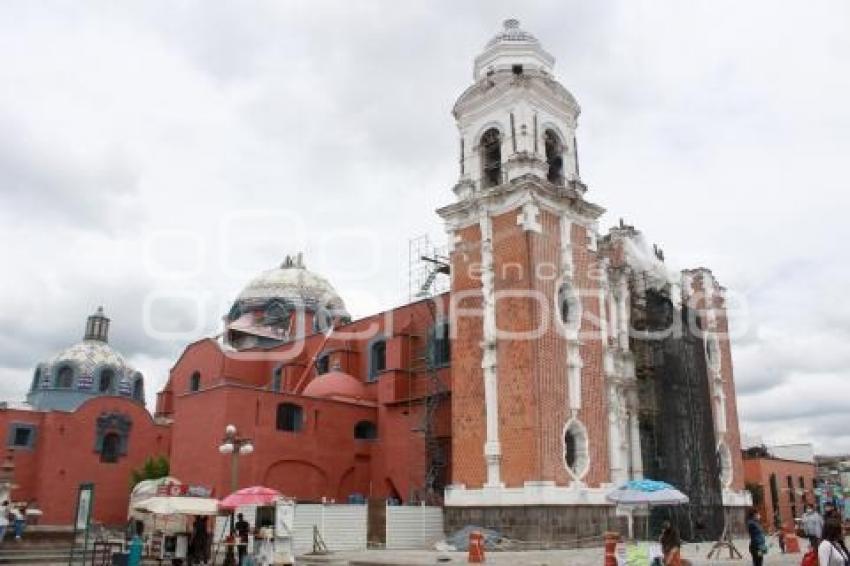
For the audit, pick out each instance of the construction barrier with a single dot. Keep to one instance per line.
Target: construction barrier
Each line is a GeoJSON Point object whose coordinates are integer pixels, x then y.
{"type": "Point", "coordinates": [792, 543]}
{"type": "Point", "coordinates": [611, 540]}
{"type": "Point", "coordinates": [476, 547]}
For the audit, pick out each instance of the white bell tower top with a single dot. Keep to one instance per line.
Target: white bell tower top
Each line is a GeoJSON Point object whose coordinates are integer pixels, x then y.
{"type": "Point", "coordinates": [512, 46]}
{"type": "Point", "coordinates": [516, 121]}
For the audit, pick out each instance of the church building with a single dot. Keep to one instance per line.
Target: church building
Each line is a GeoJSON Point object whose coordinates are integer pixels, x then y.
{"type": "Point", "coordinates": [563, 361]}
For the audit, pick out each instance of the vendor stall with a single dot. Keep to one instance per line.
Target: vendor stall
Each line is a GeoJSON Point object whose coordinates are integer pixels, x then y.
{"type": "Point", "coordinates": [167, 516]}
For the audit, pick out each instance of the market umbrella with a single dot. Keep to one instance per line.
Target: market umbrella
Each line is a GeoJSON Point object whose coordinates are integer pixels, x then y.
{"type": "Point", "coordinates": [257, 495]}
{"type": "Point", "coordinates": [179, 505]}
{"type": "Point", "coordinates": [647, 492]}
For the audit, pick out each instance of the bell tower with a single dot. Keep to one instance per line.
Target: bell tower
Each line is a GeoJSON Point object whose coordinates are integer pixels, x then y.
{"type": "Point", "coordinates": [516, 119]}
{"type": "Point", "coordinates": [529, 408]}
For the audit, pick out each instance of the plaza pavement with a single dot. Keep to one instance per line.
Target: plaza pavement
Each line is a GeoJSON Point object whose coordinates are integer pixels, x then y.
{"type": "Point", "coordinates": [579, 557]}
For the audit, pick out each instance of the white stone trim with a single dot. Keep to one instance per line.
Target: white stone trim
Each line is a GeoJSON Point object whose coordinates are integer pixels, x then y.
{"type": "Point", "coordinates": [528, 218]}
{"type": "Point", "coordinates": [727, 470]}
{"type": "Point", "coordinates": [531, 493]}
{"type": "Point", "coordinates": [489, 360]}
{"type": "Point", "coordinates": [737, 498]}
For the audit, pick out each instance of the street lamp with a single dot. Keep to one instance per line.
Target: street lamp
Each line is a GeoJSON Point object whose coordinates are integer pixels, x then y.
{"type": "Point", "coordinates": [234, 446]}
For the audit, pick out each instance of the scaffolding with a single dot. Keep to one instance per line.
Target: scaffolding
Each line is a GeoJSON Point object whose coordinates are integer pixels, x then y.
{"type": "Point", "coordinates": [427, 278]}
{"type": "Point", "coordinates": [426, 262]}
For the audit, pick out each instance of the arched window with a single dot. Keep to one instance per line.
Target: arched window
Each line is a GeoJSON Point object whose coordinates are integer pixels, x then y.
{"type": "Point", "coordinates": [491, 158]}
{"type": "Point", "coordinates": [104, 384]}
{"type": "Point", "coordinates": [377, 358]}
{"type": "Point", "coordinates": [774, 495]}
{"type": "Point", "coordinates": [277, 379]}
{"type": "Point", "coordinates": [323, 364]}
{"type": "Point", "coordinates": [570, 450]}
{"type": "Point", "coordinates": [36, 379]}
{"type": "Point", "coordinates": [65, 377]}
{"type": "Point", "coordinates": [195, 381]}
{"type": "Point", "coordinates": [439, 345]}
{"type": "Point", "coordinates": [569, 308]}
{"type": "Point", "coordinates": [138, 389]}
{"type": "Point", "coordinates": [365, 430]}
{"type": "Point", "coordinates": [322, 320]}
{"type": "Point", "coordinates": [111, 448]}
{"type": "Point", "coordinates": [290, 417]}
{"type": "Point", "coordinates": [554, 157]}
{"type": "Point", "coordinates": [576, 457]}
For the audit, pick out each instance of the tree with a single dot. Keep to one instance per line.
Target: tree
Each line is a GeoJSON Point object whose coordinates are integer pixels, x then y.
{"type": "Point", "coordinates": [155, 467]}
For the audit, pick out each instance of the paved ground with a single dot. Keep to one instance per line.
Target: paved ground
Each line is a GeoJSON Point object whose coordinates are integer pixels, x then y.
{"type": "Point", "coordinates": [581, 557]}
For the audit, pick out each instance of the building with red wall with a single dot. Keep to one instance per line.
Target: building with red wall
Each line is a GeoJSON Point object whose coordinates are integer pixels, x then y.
{"type": "Point", "coordinates": [783, 482]}
{"type": "Point", "coordinates": [85, 421]}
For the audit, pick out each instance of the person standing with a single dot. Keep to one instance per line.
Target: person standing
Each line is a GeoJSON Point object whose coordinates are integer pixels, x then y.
{"type": "Point", "coordinates": [4, 519]}
{"type": "Point", "coordinates": [832, 551]}
{"type": "Point", "coordinates": [758, 548]}
{"type": "Point", "coordinates": [200, 541]}
{"type": "Point", "coordinates": [812, 524]}
{"type": "Point", "coordinates": [18, 522]}
{"type": "Point", "coordinates": [243, 529]}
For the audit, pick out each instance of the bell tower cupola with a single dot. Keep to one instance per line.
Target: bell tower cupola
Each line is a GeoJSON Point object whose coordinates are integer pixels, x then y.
{"type": "Point", "coordinates": [97, 327]}
{"type": "Point", "coordinates": [516, 120]}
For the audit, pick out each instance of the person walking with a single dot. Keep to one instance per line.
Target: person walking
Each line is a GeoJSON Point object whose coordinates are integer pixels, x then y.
{"type": "Point", "coordinates": [812, 524]}
{"type": "Point", "coordinates": [758, 548]}
{"type": "Point", "coordinates": [670, 544]}
{"type": "Point", "coordinates": [832, 551]}
{"type": "Point", "coordinates": [243, 529]}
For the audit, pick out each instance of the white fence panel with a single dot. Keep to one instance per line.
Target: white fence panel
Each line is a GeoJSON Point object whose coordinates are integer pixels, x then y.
{"type": "Point", "coordinates": [343, 527]}
{"type": "Point", "coordinates": [413, 527]}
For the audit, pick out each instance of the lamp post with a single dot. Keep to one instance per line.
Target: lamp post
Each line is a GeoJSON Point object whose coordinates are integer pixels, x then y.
{"type": "Point", "coordinates": [233, 445]}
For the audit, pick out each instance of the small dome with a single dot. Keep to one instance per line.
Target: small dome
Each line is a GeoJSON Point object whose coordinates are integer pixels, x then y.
{"type": "Point", "coordinates": [88, 368]}
{"type": "Point", "coordinates": [90, 355]}
{"type": "Point", "coordinates": [515, 50]}
{"type": "Point", "coordinates": [336, 385]}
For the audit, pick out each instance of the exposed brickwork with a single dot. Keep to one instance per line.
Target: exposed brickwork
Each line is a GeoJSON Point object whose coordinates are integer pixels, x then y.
{"type": "Point", "coordinates": [468, 420]}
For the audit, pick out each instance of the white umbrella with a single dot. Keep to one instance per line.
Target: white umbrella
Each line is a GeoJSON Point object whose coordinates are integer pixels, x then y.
{"type": "Point", "coordinates": [647, 492]}
{"type": "Point", "coordinates": [179, 505]}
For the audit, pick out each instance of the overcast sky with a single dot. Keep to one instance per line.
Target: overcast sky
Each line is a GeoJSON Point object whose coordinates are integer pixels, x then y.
{"type": "Point", "coordinates": [154, 156]}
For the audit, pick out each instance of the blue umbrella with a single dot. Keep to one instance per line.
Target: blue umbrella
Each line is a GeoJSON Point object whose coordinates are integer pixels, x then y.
{"type": "Point", "coordinates": [647, 492]}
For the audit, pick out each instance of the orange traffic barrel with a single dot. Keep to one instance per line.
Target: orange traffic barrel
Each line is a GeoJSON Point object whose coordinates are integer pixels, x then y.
{"type": "Point", "coordinates": [611, 540]}
{"type": "Point", "coordinates": [476, 547]}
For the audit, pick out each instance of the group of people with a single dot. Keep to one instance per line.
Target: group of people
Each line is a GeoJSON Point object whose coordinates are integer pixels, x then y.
{"type": "Point", "coordinates": [15, 516]}
{"type": "Point", "coordinates": [825, 535]}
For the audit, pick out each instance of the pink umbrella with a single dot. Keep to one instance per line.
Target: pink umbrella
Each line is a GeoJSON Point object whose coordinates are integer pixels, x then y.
{"type": "Point", "coordinates": [257, 495]}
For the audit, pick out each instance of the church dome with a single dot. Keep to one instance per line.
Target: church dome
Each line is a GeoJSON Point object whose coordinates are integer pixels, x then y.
{"type": "Point", "coordinates": [88, 368]}
{"type": "Point", "coordinates": [292, 283]}
{"type": "Point", "coordinates": [336, 385]}
{"type": "Point", "coordinates": [282, 303]}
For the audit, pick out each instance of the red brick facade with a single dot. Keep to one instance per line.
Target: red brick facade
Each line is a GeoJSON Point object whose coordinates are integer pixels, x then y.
{"type": "Point", "coordinates": [793, 488]}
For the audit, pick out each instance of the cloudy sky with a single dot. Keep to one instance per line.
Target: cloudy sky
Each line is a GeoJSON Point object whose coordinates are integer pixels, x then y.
{"type": "Point", "coordinates": [154, 156]}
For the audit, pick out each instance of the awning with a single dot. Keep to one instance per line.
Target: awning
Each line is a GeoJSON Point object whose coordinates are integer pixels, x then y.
{"type": "Point", "coordinates": [161, 505]}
